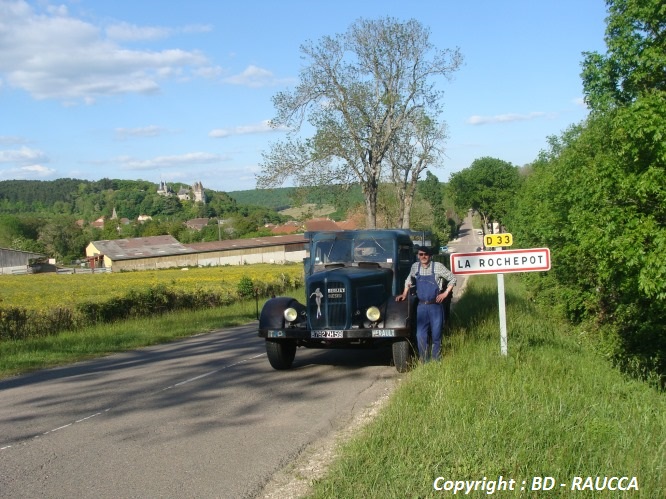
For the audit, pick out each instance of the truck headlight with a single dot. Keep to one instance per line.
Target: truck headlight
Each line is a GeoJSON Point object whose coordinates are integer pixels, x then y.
{"type": "Point", "coordinates": [373, 314]}
{"type": "Point", "coordinates": [290, 314]}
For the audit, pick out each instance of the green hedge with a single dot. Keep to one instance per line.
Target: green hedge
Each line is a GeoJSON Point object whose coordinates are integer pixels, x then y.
{"type": "Point", "coordinates": [20, 323]}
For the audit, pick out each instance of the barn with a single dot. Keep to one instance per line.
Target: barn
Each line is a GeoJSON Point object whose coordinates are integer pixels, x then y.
{"type": "Point", "coordinates": [161, 252]}
{"type": "Point", "coordinates": [15, 261]}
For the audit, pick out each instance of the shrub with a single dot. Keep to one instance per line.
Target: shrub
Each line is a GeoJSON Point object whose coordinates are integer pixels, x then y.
{"type": "Point", "coordinates": [245, 287]}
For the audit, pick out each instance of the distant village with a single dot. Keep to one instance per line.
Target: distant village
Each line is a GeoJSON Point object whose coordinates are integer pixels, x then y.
{"type": "Point", "coordinates": [287, 244]}
{"type": "Point", "coordinates": [196, 194]}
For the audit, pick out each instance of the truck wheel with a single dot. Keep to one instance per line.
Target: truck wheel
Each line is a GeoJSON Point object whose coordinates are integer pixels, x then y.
{"type": "Point", "coordinates": [281, 353]}
{"type": "Point", "coordinates": [402, 355]}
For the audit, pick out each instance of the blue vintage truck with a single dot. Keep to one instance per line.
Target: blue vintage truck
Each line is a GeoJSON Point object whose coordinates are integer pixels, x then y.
{"type": "Point", "coordinates": [351, 280]}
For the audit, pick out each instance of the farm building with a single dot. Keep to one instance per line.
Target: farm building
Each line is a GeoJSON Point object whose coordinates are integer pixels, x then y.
{"type": "Point", "coordinates": [15, 261]}
{"type": "Point", "coordinates": [160, 252]}
{"type": "Point", "coordinates": [141, 253]}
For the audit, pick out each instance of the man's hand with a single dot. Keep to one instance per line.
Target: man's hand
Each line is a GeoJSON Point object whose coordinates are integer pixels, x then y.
{"type": "Point", "coordinates": [442, 296]}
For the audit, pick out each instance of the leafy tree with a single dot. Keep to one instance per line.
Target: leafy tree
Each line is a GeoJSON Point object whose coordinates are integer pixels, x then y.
{"type": "Point", "coordinates": [359, 91]}
{"type": "Point", "coordinates": [111, 230]}
{"type": "Point", "coordinates": [219, 204]}
{"type": "Point", "coordinates": [597, 197]}
{"type": "Point", "coordinates": [152, 228]}
{"type": "Point", "coordinates": [23, 244]}
{"type": "Point", "coordinates": [487, 186]}
{"type": "Point", "coordinates": [62, 240]}
{"type": "Point", "coordinates": [635, 62]}
{"type": "Point", "coordinates": [166, 205]}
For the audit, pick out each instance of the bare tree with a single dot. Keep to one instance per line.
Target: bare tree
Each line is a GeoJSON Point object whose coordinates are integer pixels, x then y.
{"type": "Point", "coordinates": [362, 92]}
{"type": "Point", "coordinates": [416, 146]}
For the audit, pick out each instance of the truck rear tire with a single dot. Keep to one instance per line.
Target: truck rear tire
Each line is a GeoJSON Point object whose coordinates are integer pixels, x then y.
{"type": "Point", "coordinates": [402, 355]}
{"type": "Point", "coordinates": [281, 353]}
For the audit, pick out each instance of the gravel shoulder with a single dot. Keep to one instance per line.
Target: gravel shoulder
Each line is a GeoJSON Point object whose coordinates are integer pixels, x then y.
{"type": "Point", "coordinates": [295, 479]}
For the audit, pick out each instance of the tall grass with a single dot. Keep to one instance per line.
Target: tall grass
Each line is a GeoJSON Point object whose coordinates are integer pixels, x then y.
{"type": "Point", "coordinates": [21, 356]}
{"type": "Point", "coordinates": [552, 408]}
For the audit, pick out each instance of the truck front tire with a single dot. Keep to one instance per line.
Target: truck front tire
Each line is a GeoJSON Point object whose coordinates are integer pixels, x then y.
{"type": "Point", "coordinates": [281, 353]}
{"type": "Point", "coordinates": [402, 355]}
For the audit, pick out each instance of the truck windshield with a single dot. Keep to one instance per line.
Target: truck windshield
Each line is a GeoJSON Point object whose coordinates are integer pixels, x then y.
{"type": "Point", "coordinates": [333, 251]}
{"type": "Point", "coordinates": [371, 249]}
{"type": "Point", "coordinates": [363, 249]}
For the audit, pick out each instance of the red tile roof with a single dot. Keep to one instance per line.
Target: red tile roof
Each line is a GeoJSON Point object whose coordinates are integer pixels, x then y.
{"type": "Point", "coordinates": [320, 224]}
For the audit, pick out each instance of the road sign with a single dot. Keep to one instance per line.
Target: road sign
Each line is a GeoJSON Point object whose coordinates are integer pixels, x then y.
{"type": "Point", "coordinates": [495, 240]}
{"type": "Point", "coordinates": [501, 262]}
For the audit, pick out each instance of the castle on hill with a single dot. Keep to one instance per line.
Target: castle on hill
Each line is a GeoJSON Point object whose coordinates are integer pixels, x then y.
{"type": "Point", "coordinates": [196, 192]}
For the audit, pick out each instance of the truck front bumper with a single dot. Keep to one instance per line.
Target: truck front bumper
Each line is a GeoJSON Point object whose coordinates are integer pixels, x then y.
{"type": "Point", "coordinates": [334, 334]}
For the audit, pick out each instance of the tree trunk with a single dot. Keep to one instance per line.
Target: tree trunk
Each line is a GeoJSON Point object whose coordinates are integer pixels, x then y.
{"type": "Point", "coordinates": [370, 194]}
{"type": "Point", "coordinates": [400, 193]}
{"type": "Point", "coordinates": [484, 218]}
{"type": "Point", "coordinates": [410, 192]}
{"type": "Point", "coordinates": [407, 213]}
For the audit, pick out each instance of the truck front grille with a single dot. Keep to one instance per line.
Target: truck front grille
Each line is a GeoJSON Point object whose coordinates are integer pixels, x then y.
{"type": "Point", "coordinates": [327, 305]}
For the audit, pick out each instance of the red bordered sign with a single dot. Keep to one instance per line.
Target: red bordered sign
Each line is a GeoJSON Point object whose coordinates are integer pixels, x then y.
{"type": "Point", "coordinates": [501, 262]}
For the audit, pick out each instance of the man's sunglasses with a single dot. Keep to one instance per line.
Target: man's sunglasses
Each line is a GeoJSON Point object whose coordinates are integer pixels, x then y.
{"type": "Point", "coordinates": [422, 254]}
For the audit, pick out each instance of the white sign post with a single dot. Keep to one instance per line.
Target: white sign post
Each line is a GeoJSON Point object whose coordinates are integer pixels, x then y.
{"type": "Point", "coordinates": [500, 262]}
{"type": "Point", "coordinates": [502, 314]}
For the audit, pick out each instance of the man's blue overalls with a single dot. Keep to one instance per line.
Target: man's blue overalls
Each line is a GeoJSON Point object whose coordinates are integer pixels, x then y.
{"type": "Point", "coordinates": [429, 315]}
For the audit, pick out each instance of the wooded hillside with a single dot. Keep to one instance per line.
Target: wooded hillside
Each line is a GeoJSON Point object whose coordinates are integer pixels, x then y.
{"type": "Point", "coordinates": [55, 217]}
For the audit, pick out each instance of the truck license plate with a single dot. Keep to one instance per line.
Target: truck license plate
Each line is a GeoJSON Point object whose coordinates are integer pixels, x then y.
{"type": "Point", "coordinates": [326, 333]}
{"type": "Point", "coordinates": [382, 333]}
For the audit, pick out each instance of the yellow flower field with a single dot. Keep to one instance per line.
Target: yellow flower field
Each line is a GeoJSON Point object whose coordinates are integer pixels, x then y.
{"type": "Point", "coordinates": [48, 291]}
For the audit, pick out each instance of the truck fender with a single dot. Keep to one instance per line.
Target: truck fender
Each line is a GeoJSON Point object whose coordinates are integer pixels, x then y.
{"type": "Point", "coordinates": [271, 314]}
{"type": "Point", "coordinates": [397, 314]}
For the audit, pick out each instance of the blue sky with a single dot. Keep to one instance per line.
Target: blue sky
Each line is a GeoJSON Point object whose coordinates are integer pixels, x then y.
{"type": "Point", "coordinates": [181, 91]}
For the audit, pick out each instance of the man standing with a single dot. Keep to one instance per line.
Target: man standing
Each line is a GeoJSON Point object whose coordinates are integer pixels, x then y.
{"type": "Point", "coordinates": [434, 284]}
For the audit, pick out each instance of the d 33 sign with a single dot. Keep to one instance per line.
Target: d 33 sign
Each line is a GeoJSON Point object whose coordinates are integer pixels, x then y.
{"type": "Point", "coordinates": [494, 240]}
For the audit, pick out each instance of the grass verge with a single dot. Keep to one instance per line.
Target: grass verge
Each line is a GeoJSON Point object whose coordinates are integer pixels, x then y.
{"type": "Point", "coordinates": [21, 356]}
{"type": "Point", "coordinates": [551, 408]}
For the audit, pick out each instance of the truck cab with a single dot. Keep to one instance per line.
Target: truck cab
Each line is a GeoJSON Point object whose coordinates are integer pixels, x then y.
{"type": "Point", "coordinates": [351, 281]}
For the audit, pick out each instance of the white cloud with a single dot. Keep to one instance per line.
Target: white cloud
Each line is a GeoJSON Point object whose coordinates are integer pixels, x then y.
{"type": "Point", "coordinates": [129, 32]}
{"type": "Point", "coordinates": [503, 118]}
{"type": "Point", "coordinates": [29, 172]}
{"type": "Point", "coordinates": [189, 159]}
{"type": "Point", "coordinates": [23, 156]}
{"type": "Point", "coordinates": [262, 127]}
{"type": "Point", "coordinates": [209, 72]}
{"type": "Point", "coordinates": [52, 55]}
{"type": "Point", "coordinates": [147, 131]}
{"type": "Point", "coordinates": [255, 77]}
{"type": "Point", "coordinates": [37, 170]}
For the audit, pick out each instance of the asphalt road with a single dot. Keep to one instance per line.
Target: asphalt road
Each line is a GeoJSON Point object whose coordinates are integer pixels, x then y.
{"type": "Point", "coordinates": [468, 240]}
{"type": "Point", "coordinates": [203, 417]}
